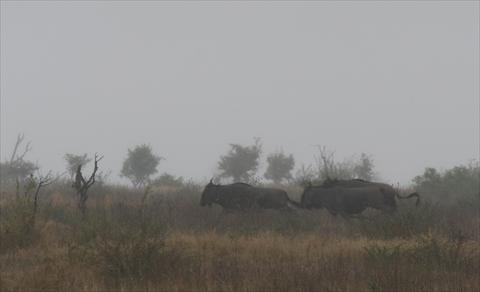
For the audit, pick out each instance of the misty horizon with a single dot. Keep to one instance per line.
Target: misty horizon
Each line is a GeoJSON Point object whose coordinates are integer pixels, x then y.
{"type": "Point", "coordinates": [398, 81]}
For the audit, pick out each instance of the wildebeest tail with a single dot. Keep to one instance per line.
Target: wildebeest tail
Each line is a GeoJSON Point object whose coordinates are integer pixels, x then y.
{"type": "Point", "coordinates": [415, 194]}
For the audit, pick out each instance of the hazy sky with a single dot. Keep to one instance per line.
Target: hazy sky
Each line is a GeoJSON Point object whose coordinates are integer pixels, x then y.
{"type": "Point", "coordinates": [397, 80]}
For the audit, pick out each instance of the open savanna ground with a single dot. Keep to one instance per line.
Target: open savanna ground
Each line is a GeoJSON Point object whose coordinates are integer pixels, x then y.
{"type": "Point", "coordinates": [163, 240]}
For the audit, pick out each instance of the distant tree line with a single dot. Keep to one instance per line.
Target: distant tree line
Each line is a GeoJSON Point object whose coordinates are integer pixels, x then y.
{"type": "Point", "coordinates": [239, 164]}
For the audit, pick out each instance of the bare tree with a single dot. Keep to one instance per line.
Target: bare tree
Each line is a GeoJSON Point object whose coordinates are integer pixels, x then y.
{"type": "Point", "coordinates": [32, 185]}
{"type": "Point", "coordinates": [325, 163]}
{"type": "Point", "coordinates": [81, 185]}
{"type": "Point", "coordinates": [304, 175]}
{"type": "Point", "coordinates": [43, 181]}
{"type": "Point", "coordinates": [328, 168]}
{"type": "Point", "coordinates": [17, 168]}
{"type": "Point", "coordinates": [28, 147]}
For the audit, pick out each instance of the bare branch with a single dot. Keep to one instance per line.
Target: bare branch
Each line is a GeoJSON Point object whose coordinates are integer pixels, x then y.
{"type": "Point", "coordinates": [15, 157]}
{"type": "Point", "coordinates": [20, 138]}
{"type": "Point", "coordinates": [326, 162]}
{"type": "Point", "coordinates": [43, 181]}
{"type": "Point", "coordinates": [47, 179]}
{"type": "Point", "coordinates": [81, 185]}
{"type": "Point", "coordinates": [91, 180]}
{"type": "Point", "coordinates": [27, 149]}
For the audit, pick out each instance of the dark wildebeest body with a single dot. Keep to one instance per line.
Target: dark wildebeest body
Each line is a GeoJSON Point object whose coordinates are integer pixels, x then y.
{"type": "Point", "coordinates": [241, 196]}
{"type": "Point", "coordinates": [351, 196]}
{"type": "Point", "coordinates": [388, 190]}
{"type": "Point", "coordinates": [345, 200]}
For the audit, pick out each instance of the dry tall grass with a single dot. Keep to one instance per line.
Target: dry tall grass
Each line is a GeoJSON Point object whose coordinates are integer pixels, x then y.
{"type": "Point", "coordinates": [169, 243]}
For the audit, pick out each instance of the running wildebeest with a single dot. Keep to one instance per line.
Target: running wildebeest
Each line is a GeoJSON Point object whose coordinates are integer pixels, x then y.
{"type": "Point", "coordinates": [351, 197]}
{"type": "Point", "coordinates": [388, 190]}
{"type": "Point", "coordinates": [242, 196]}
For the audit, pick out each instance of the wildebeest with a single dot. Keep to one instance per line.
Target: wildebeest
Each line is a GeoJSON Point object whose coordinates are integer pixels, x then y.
{"type": "Point", "coordinates": [388, 190]}
{"type": "Point", "coordinates": [351, 197]}
{"type": "Point", "coordinates": [242, 196]}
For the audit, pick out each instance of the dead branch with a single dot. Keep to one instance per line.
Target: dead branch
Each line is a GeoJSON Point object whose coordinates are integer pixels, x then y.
{"type": "Point", "coordinates": [326, 161]}
{"type": "Point", "coordinates": [15, 158]}
{"type": "Point", "coordinates": [43, 181]}
{"type": "Point", "coordinates": [35, 183]}
{"type": "Point", "coordinates": [91, 180]}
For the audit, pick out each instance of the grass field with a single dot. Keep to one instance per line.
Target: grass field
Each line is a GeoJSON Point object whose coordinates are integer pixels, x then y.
{"type": "Point", "coordinates": [167, 242]}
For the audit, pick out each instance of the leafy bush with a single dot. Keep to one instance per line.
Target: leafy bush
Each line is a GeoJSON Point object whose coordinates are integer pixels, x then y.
{"type": "Point", "coordinates": [460, 183]}
{"type": "Point", "coordinates": [168, 180]}
{"type": "Point", "coordinates": [279, 167]}
{"type": "Point", "coordinates": [241, 162]}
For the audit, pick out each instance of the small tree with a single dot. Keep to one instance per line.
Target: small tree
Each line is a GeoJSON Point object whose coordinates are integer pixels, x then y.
{"type": "Point", "coordinates": [241, 162]}
{"type": "Point", "coordinates": [279, 167]}
{"type": "Point", "coordinates": [305, 175]}
{"type": "Point", "coordinates": [140, 164]}
{"type": "Point", "coordinates": [73, 161]}
{"type": "Point", "coordinates": [327, 167]}
{"type": "Point", "coordinates": [364, 168]}
{"type": "Point", "coordinates": [40, 182]}
{"type": "Point", "coordinates": [31, 190]}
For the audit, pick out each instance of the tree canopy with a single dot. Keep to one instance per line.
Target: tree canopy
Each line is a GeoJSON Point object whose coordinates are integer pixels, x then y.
{"type": "Point", "coordinates": [140, 164]}
{"type": "Point", "coordinates": [73, 161]}
{"type": "Point", "coordinates": [241, 162]}
{"type": "Point", "coordinates": [279, 167]}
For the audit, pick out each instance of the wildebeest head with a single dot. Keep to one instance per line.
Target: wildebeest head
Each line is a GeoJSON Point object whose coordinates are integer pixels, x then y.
{"type": "Point", "coordinates": [209, 194]}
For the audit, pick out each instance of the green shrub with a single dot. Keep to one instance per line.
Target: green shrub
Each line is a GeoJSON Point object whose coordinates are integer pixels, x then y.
{"type": "Point", "coordinates": [458, 183]}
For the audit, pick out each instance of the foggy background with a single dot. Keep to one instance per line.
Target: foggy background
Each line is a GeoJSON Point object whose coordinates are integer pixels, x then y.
{"type": "Point", "coordinates": [399, 81]}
